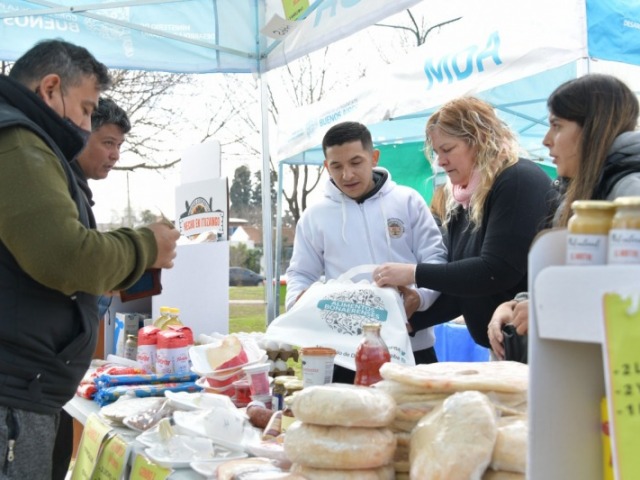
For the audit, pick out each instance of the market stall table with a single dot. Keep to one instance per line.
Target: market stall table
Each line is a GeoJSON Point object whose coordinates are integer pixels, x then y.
{"type": "Point", "coordinates": [81, 408]}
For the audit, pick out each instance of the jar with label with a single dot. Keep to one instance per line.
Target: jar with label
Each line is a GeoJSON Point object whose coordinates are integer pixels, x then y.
{"type": "Point", "coordinates": [588, 232]}
{"type": "Point", "coordinates": [293, 386]}
{"type": "Point", "coordinates": [278, 392]}
{"type": "Point", "coordinates": [131, 347]}
{"type": "Point", "coordinates": [371, 354]}
{"type": "Point", "coordinates": [624, 235]}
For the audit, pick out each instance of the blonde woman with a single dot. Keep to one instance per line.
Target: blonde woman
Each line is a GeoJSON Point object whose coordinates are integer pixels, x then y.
{"type": "Point", "coordinates": [496, 203]}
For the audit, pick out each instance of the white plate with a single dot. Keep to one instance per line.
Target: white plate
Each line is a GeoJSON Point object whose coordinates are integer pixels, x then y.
{"type": "Point", "coordinates": [228, 428]}
{"type": "Point", "coordinates": [198, 400]}
{"type": "Point", "coordinates": [184, 449]}
{"type": "Point", "coordinates": [209, 469]}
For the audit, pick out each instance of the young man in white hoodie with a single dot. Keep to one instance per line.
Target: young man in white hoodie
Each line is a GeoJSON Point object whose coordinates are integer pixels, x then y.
{"type": "Point", "coordinates": [363, 218]}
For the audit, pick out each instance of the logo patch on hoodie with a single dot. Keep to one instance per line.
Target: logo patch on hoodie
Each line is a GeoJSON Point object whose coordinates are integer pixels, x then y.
{"type": "Point", "coordinates": [396, 227]}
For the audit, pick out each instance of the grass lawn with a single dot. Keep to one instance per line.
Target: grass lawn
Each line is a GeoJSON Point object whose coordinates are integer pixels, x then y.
{"type": "Point", "coordinates": [247, 317]}
{"type": "Point", "coordinates": [252, 317]}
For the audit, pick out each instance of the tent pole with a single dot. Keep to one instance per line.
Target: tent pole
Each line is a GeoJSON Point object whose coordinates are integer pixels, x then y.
{"type": "Point", "coordinates": [267, 229]}
{"type": "Point", "coordinates": [278, 240]}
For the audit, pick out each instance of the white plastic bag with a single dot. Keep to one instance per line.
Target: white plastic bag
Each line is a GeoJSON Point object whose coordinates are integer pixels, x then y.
{"type": "Point", "coordinates": [331, 314]}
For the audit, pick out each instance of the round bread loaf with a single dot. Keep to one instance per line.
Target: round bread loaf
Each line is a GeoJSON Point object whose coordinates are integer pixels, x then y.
{"type": "Point", "coordinates": [382, 473]}
{"type": "Point", "coordinates": [339, 448]}
{"type": "Point", "coordinates": [344, 405]}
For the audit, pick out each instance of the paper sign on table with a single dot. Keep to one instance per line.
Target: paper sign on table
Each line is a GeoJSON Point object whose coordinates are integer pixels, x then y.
{"type": "Point", "coordinates": [113, 459]}
{"type": "Point", "coordinates": [93, 439]}
{"type": "Point", "coordinates": [145, 469]}
{"type": "Point", "coordinates": [622, 373]}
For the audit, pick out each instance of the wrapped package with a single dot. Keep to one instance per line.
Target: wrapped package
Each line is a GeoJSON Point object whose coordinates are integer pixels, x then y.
{"type": "Point", "coordinates": [344, 405]}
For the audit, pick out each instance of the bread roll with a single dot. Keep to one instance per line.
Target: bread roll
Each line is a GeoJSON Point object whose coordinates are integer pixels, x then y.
{"type": "Point", "coordinates": [510, 451]}
{"type": "Point", "coordinates": [344, 405]}
{"type": "Point", "coordinates": [228, 470]}
{"type": "Point", "coordinates": [339, 448]}
{"type": "Point", "coordinates": [453, 377]}
{"type": "Point", "coordinates": [381, 473]}
{"type": "Point", "coordinates": [455, 441]}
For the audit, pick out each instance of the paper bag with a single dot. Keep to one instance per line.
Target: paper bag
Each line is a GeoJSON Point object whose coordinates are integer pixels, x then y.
{"type": "Point", "coordinates": [331, 314]}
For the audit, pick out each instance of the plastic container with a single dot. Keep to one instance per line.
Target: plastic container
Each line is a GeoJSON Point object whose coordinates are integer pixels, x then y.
{"type": "Point", "coordinates": [371, 354]}
{"type": "Point", "coordinates": [242, 395]}
{"type": "Point", "coordinates": [258, 377]}
{"type": "Point", "coordinates": [624, 234]}
{"type": "Point", "coordinates": [588, 232]}
{"type": "Point", "coordinates": [317, 365]}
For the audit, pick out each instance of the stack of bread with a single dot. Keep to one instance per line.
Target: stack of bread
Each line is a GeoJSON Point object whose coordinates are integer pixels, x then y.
{"type": "Point", "coordinates": [341, 431]}
{"type": "Point", "coordinates": [459, 420]}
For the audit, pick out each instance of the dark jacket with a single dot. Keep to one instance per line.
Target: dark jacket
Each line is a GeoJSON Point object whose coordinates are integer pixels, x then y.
{"type": "Point", "coordinates": [47, 338]}
{"type": "Point", "coordinates": [488, 265]}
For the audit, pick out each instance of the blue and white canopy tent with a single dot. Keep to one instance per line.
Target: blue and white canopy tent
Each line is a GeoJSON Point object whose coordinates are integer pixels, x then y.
{"type": "Point", "coordinates": [512, 54]}
{"type": "Point", "coordinates": [194, 36]}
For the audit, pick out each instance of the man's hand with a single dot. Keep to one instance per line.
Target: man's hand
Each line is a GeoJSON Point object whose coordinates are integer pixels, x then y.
{"type": "Point", "coordinates": [166, 237]}
{"type": "Point", "coordinates": [410, 299]}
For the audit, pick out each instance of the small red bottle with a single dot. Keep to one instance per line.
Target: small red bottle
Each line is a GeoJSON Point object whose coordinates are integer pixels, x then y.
{"type": "Point", "coordinates": [370, 355]}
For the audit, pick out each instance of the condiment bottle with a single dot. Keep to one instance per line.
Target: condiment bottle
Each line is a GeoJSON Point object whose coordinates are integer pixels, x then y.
{"type": "Point", "coordinates": [164, 316]}
{"type": "Point", "coordinates": [173, 318]}
{"type": "Point", "coordinates": [131, 347]}
{"type": "Point", "coordinates": [588, 232]}
{"type": "Point", "coordinates": [371, 354]}
{"type": "Point", "coordinates": [624, 235]}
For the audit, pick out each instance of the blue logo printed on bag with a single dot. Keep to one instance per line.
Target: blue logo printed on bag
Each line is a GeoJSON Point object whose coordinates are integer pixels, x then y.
{"type": "Point", "coordinates": [345, 311]}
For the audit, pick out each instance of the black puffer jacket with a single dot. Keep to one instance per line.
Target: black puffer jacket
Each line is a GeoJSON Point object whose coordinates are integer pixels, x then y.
{"type": "Point", "coordinates": [47, 338]}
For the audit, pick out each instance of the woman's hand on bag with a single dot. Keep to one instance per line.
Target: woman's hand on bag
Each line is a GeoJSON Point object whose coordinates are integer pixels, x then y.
{"type": "Point", "coordinates": [395, 274]}
{"type": "Point", "coordinates": [521, 317]}
{"type": "Point", "coordinates": [410, 299]}
{"type": "Point", "coordinates": [502, 316]}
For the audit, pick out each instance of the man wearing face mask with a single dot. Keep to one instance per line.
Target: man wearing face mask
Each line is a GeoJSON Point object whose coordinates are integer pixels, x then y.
{"type": "Point", "coordinates": [53, 265]}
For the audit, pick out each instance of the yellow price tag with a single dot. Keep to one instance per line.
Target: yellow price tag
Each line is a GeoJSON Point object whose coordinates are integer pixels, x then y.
{"type": "Point", "coordinates": [93, 436]}
{"type": "Point", "coordinates": [294, 8]}
{"type": "Point", "coordinates": [113, 459]}
{"type": "Point", "coordinates": [622, 372]}
{"type": "Point", "coordinates": [145, 469]}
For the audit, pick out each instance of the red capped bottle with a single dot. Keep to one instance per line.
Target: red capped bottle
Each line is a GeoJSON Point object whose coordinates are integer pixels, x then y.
{"type": "Point", "coordinates": [371, 354]}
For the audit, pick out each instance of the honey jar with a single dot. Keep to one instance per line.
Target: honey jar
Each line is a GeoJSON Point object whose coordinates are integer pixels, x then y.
{"type": "Point", "coordinates": [624, 235]}
{"type": "Point", "coordinates": [589, 231]}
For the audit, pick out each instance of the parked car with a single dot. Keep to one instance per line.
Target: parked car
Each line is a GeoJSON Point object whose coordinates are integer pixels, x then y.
{"type": "Point", "coordinates": [240, 276]}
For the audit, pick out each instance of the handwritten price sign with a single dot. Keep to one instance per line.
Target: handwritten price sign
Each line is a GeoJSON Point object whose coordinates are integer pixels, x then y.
{"type": "Point", "coordinates": [622, 361]}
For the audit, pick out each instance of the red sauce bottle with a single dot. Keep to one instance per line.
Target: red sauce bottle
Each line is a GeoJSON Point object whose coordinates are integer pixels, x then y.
{"type": "Point", "coordinates": [370, 355]}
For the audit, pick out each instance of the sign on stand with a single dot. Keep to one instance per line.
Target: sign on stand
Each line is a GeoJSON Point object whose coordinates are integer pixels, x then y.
{"type": "Point", "coordinates": [144, 469]}
{"type": "Point", "coordinates": [622, 375]}
{"type": "Point", "coordinates": [102, 454]}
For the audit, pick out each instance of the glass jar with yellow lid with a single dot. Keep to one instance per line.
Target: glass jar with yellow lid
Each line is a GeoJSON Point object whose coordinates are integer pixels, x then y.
{"type": "Point", "coordinates": [624, 235]}
{"type": "Point", "coordinates": [588, 232]}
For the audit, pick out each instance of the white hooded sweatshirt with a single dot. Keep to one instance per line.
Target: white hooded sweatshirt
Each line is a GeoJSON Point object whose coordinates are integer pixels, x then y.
{"type": "Point", "coordinates": [339, 233]}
